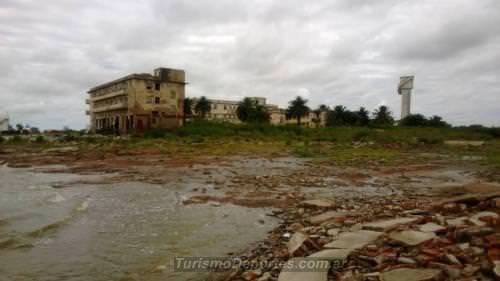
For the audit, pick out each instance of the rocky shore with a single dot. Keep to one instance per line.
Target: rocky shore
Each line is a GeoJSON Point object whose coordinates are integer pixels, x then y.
{"type": "Point", "coordinates": [385, 239]}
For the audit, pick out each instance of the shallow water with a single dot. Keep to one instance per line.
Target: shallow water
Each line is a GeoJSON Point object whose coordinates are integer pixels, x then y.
{"type": "Point", "coordinates": [111, 231]}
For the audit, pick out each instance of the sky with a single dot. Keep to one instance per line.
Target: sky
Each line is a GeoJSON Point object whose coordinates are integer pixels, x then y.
{"type": "Point", "coordinates": [348, 52]}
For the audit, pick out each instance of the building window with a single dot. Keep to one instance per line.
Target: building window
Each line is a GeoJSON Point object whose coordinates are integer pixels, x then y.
{"type": "Point", "coordinates": [157, 100]}
{"type": "Point", "coordinates": [157, 86]}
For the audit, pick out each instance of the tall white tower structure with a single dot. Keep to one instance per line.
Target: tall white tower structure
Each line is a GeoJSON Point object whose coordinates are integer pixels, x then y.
{"type": "Point", "coordinates": [4, 122]}
{"type": "Point", "coordinates": [404, 89]}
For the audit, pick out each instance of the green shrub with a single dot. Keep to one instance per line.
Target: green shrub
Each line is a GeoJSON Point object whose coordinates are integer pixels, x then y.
{"type": "Point", "coordinates": [39, 139]}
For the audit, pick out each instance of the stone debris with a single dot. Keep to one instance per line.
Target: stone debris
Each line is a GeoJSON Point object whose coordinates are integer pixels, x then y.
{"type": "Point", "coordinates": [431, 227]}
{"type": "Point", "coordinates": [410, 274]}
{"type": "Point", "coordinates": [296, 242]}
{"type": "Point", "coordinates": [456, 240]}
{"type": "Point", "coordinates": [318, 203]}
{"type": "Point", "coordinates": [411, 237]}
{"type": "Point", "coordinates": [354, 240]}
{"type": "Point", "coordinates": [326, 217]}
{"type": "Point", "coordinates": [296, 275]}
{"type": "Point", "coordinates": [478, 219]}
{"type": "Point", "coordinates": [385, 225]}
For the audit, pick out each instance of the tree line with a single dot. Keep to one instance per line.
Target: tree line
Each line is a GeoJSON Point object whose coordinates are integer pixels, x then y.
{"type": "Point", "coordinates": [250, 111]}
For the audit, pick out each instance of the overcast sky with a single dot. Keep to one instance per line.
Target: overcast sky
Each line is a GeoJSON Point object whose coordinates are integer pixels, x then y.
{"type": "Point", "coordinates": [348, 52]}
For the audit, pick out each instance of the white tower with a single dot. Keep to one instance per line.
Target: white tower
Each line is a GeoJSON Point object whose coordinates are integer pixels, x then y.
{"type": "Point", "coordinates": [4, 122]}
{"type": "Point", "coordinates": [404, 89]}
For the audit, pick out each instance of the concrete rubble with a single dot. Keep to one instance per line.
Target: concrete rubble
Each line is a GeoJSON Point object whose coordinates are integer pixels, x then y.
{"type": "Point", "coordinates": [453, 240]}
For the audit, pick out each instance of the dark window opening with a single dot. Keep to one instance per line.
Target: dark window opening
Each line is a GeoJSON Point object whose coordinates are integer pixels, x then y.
{"type": "Point", "coordinates": [157, 86]}
{"type": "Point", "coordinates": [157, 100]}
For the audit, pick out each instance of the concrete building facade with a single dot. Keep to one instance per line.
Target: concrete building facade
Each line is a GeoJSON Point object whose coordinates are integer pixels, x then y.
{"type": "Point", "coordinates": [138, 102]}
{"type": "Point", "coordinates": [225, 111]}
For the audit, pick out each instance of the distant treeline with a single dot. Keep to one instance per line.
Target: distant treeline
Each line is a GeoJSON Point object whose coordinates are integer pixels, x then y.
{"type": "Point", "coordinates": [249, 111]}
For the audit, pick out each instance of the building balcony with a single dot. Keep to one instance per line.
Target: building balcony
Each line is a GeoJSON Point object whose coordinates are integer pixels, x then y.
{"type": "Point", "coordinates": [87, 101]}
{"type": "Point", "coordinates": [122, 92]}
{"type": "Point", "coordinates": [115, 106]}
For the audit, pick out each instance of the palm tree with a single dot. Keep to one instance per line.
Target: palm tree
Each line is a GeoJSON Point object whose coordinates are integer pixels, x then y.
{"type": "Point", "coordinates": [250, 111]}
{"type": "Point", "coordinates": [203, 107]}
{"type": "Point", "coordinates": [298, 108]}
{"type": "Point", "coordinates": [245, 108]}
{"type": "Point", "coordinates": [363, 116]}
{"type": "Point", "coordinates": [188, 109]}
{"type": "Point", "coordinates": [383, 116]}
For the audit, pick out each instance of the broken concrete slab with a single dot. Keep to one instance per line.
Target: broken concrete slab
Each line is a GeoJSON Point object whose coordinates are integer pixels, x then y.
{"type": "Point", "coordinates": [318, 203]}
{"type": "Point", "coordinates": [385, 225]}
{"type": "Point", "coordinates": [333, 231]}
{"type": "Point", "coordinates": [457, 222]}
{"type": "Point", "coordinates": [296, 242]}
{"type": "Point", "coordinates": [292, 271]}
{"type": "Point", "coordinates": [332, 254]}
{"type": "Point", "coordinates": [326, 217]}
{"type": "Point", "coordinates": [411, 274]}
{"type": "Point", "coordinates": [411, 237]}
{"type": "Point", "coordinates": [353, 240]}
{"type": "Point", "coordinates": [431, 227]}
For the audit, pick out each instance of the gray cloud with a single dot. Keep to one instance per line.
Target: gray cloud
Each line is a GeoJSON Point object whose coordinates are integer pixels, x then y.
{"type": "Point", "coordinates": [334, 52]}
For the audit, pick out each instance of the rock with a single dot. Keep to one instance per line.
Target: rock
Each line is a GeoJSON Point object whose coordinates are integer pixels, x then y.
{"type": "Point", "coordinates": [452, 259]}
{"type": "Point", "coordinates": [290, 271]}
{"type": "Point", "coordinates": [296, 242]}
{"type": "Point", "coordinates": [353, 240]}
{"type": "Point", "coordinates": [333, 231]}
{"type": "Point", "coordinates": [385, 225]}
{"type": "Point", "coordinates": [318, 203]}
{"type": "Point", "coordinates": [265, 277]}
{"type": "Point", "coordinates": [457, 222]}
{"type": "Point", "coordinates": [431, 227]}
{"type": "Point", "coordinates": [249, 275]}
{"type": "Point", "coordinates": [332, 254]}
{"type": "Point", "coordinates": [406, 260]}
{"type": "Point", "coordinates": [476, 219]}
{"type": "Point", "coordinates": [496, 268]}
{"type": "Point", "coordinates": [326, 217]}
{"type": "Point", "coordinates": [410, 274]}
{"type": "Point", "coordinates": [411, 237]}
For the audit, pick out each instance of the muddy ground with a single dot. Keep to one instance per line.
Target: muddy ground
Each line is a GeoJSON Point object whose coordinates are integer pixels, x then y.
{"type": "Point", "coordinates": [345, 197]}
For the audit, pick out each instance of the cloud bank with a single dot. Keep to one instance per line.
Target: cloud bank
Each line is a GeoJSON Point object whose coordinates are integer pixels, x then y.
{"type": "Point", "coordinates": [348, 52]}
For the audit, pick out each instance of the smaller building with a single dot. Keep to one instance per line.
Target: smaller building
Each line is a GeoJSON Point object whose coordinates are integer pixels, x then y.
{"type": "Point", "coordinates": [226, 111]}
{"type": "Point", "coordinates": [4, 122]}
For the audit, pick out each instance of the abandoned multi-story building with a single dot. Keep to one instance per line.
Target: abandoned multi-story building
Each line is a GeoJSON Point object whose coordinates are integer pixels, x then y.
{"type": "Point", "coordinates": [225, 111]}
{"type": "Point", "coordinates": [138, 102]}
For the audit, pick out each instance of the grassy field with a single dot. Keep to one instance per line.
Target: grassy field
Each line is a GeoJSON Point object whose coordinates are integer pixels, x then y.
{"type": "Point", "coordinates": [342, 145]}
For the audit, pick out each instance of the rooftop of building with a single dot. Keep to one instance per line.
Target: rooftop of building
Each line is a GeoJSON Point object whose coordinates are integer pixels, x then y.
{"type": "Point", "coordinates": [139, 76]}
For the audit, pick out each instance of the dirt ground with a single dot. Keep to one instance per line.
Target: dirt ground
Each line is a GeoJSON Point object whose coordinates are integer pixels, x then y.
{"type": "Point", "coordinates": [362, 193]}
